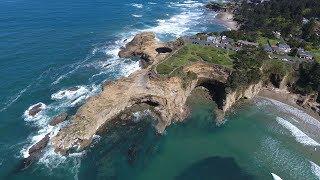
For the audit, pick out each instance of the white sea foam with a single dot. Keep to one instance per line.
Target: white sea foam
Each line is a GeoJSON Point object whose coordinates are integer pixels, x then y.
{"type": "Point", "coordinates": [315, 169]}
{"type": "Point", "coordinates": [275, 177]}
{"type": "Point", "coordinates": [130, 68]}
{"type": "Point", "coordinates": [71, 98]}
{"type": "Point", "coordinates": [186, 4]}
{"type": "Point", "coordinates": [300, 136]}
{"type": "Point", "coordinates": [70, 94]}
{"type": "Point", "coordinates": [136, 5]}
{"type": "Point", "coordinates": [136, 15]}
{"type": "Point", "coordinates": [177, 25]}
{"type": "Point", "coordinates": [296, 112]}
{"type": "Point", "coordinates": [75, 66]}
{"type": "Point", "coordinates": [14, 98]}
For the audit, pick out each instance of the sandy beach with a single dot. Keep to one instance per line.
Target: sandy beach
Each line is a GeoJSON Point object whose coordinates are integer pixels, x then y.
{"type": "Point", "coordinates": [287, 98]}
{"type": "Point", "coordinates": [226, 18]}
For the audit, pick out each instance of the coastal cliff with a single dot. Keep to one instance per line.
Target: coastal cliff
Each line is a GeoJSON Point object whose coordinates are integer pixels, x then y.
{"type": "Point", "coordinates": [247, 93]}
{"type": "Point", "coordinates": [164, 96]}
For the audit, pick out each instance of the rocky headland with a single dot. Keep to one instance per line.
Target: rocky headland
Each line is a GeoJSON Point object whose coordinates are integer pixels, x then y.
{"type": "Point", "coordinates": [164, 96]}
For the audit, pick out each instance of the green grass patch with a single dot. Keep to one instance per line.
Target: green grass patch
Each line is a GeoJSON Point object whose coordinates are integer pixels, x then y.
{"type": "Point", "coordinates": [316, 54]}
{"type": "Point", "coordinates": [192, 53]}
{"type": "Point", "coordinates": [263, 41]}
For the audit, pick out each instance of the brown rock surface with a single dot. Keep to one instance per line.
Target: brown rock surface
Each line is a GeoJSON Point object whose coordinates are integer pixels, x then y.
{"type": "Point", "coordinates": [144, 45]}
{"type": "Point", "coordinates": [39, 145]}
{"type": "Point", "coordinates": [58, 119]}
{"type": "Point", "coordinates": [35, 109]}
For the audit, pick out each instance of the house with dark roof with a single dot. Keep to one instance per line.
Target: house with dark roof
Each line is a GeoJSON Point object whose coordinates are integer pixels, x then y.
{"type": "Point", "coordinates": [246, 43]}
{"type": "Point", "coordinates": [284, 48]}
{"type": "Point", "coordinates": [304, 54]}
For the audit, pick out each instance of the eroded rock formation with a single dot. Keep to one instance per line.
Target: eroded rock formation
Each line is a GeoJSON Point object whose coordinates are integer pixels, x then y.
{"type": "Point", "coordinates": [166, 95]}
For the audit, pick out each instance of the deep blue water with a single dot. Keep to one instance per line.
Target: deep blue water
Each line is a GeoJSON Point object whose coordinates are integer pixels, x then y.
{"type": "Point", "coordinates": [49, 46]}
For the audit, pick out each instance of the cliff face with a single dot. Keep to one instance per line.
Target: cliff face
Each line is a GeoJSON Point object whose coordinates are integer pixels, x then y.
{"type": "Point", "coordinates": [246, 93]}
{"type": "Point", "coordinates": [166, 95]}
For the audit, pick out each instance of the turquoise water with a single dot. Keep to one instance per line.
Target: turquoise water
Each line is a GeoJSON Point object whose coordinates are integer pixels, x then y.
{"type": "Point", "coordinates": [50, 46]}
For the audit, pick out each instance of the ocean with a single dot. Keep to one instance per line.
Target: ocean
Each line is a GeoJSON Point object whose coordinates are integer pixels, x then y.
{"type": "Point", "coordinates": [48, 47]}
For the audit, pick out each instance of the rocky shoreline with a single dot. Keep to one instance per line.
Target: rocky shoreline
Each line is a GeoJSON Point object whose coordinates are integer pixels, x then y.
{"type": "Point", "coordinates": [165, 97]}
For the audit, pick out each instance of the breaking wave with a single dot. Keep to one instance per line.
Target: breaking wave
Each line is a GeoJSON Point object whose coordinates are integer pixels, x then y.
{"type": "Point", "coordinates": [300, 136]}
{"type": "Point", "coordinates": [177, 25]}
{"type": "Point", "coordinates": [136, 15]}
{"type": "Point", "coordinates": [315, 169]}
{"type": "Point", "coordinates": [296, 112]}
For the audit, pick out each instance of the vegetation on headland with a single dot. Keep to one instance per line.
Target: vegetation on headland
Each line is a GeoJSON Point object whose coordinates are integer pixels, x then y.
{"type": "Point", "coordinates": [308, 78]}
{"type": "Point", "coordinates": [266, 23]}
{"type": "Point", "coordinates": [247, 64]}
{"type": "Point", "coordinates": [284, 16]}
{"type": "Point", "coordinates": [192, 53]}
{"type": "Point", "coordinates": [292, 22]}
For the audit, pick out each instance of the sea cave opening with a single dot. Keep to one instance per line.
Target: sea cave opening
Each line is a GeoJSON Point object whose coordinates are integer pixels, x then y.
{"type": "Point", "coordinates": [164, 50]}
{"type": "Point", "coordinates": [217, 91]}
{"type": "Point", "coordinates": [275, 80]}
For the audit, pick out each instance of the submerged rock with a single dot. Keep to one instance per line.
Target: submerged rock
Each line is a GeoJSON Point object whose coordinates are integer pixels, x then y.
{"type": "Point", "coordinates": [58, 119]}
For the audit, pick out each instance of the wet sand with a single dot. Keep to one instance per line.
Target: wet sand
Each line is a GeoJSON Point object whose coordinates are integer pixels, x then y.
{"type": "Point", "coordinates": [286, 98]}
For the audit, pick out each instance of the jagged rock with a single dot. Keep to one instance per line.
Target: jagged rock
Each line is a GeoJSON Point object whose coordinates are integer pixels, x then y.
{"type": "Point", "coordinates": [39, 146]}
{"type": "Point", "coordinates": [35, 110]}
{"type": "Point", "coordinates": [34, 153]}
{"type": "Point", "coordinates": [58, 119]}
{"type": "Point", "coordinates": [145, 46]}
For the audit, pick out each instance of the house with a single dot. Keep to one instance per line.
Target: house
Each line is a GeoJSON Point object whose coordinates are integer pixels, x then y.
{"type": "Point", "coordinates": [226, 40]}
{"type": "Point", "coordinates": [284, 48]}
{"type": "Point", "coordinates": [267, 48]}
{"type": "Point", "coordinates": [246, 43]}
{"type": "Point", "coordinates": [304, 54]}
{"type": "Point", "coordinates": [213, 39]}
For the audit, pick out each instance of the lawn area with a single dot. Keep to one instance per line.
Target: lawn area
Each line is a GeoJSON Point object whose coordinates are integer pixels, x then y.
{"type": "Point", "coordinates": [316, 54]}
{"type": "Point", "coordinates": [263, 41]}
{"type": "Point", "coordinates": [192, 53]}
